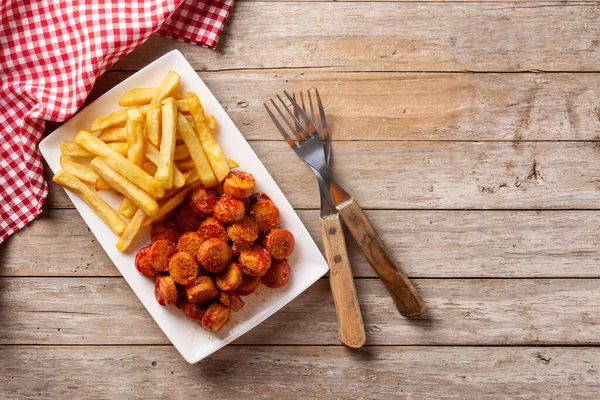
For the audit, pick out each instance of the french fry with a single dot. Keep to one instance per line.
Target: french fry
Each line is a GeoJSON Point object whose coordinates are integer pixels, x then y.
{"type": "Point", "coordinates": [101, 184]}
{"type": "Point", "coordinates": [113, 134]}
{"type": "Point", "coordinates": [150, 168]}
{"type": "Point", "coordinates": [182, 106]}
{"type": "Point", "coordinates": [153, 154]}
{"type": "Point", "coordinates": [211, 122]}
{"type": "Point", "coordinates": [127, 208]}
{"type": "Point", "coordinates": [71, 149]}
{"type": "Point", "coordinates": [164, 173]}
{"type": "Point", "coordinates": [115, 118]}
{"type": "Point", "coordinates": [192, 142]}
{"type": "Point", "coordinates": [181, 152]}
{"type": "Point", "coordinates": [167, 85]}
{"type": "Point", "coordinates": [131, 230]}
{"type": "Point", "coordinates": [81, 172]}
{"type": "Point", "coordinates": [100, 207]}
{"type": "Point", "coordinates": [170, 204]}
{"type": "Point", "coordinates": [153, 125]}
{"type": "Point", "coordinates": [178, 180]}
{"type": "Point", "coordinates": [135, 141]}
{"type": "Point", "coordinates": [191, 177]}
{"type": "Point", "coordinates": [135, 137]}
{"type": "Point", "coordinates": [141, 199]}
{"type": "Point", "coordinates": [118, 162]}
{"type": "Point", "coordinates": [232, 164]}
{"type": "Point", "coordinates": [119, 147]}
{"type": "Point", "coordinates": [141, 96]}
{"type": "Point", "coordinates": [186, 165]}
{"type": "Point", "coordinates": [214, 154]}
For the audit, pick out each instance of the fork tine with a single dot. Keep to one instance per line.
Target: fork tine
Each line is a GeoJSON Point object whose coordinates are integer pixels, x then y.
{"type": "Point", "coordinates": [301, 100]}
{"type": "Point", "coordinates": [311, 127]}
{"type": "Point", "coordinates": [312, 111]}
{"type": "Point", "coordinates": [300, 112]}
{"type": "Point", "coordinates": [280, 128]}
{"type": "Point", "coordinates": [303, 107]}
{"type": "Point", "coordinates": [324, 129]}
{"type": "Point", "coordinates": [298, 131]}
{"type": "Point", "coordinates": [285, 119]}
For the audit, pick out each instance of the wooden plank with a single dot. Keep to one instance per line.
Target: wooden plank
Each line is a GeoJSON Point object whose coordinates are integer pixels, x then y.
{"type": "Point", "coordinates": [397, 1]}
{"type": "Point", "coordinates": [449, 175]}
{"type": "Point", "coordinates": [433, 244]}
{"type": "Point", "coordinates": [414, 36]}
{"type": "Point", "coordinates": [415, 106]}
{"type": "Point", "coordinates": [460, 312]}
{"type": "Point", "coordinates": [301, 372]}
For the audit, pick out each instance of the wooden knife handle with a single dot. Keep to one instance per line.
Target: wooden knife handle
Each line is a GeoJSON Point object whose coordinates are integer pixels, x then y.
{"type": "Point", "coordinates": [351, 330]}
{"type": "Point", "coordinates": [407, 299]}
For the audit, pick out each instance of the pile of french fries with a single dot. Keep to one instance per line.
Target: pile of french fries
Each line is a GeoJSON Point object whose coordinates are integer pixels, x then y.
{"type": "Point", "coordinates": [153, 153]}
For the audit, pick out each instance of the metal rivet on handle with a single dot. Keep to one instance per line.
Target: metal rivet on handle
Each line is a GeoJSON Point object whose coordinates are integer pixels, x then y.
{"type": "Point", "coordinates": [337, 258]}
{"type": "Point", "coordinates": [367, 239]}
{"type": "Point", "coordinates": [332, 231]}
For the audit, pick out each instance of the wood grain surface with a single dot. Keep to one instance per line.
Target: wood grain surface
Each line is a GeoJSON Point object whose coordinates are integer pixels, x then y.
{"type": "Point", "coordinates": [302, 372]}
{"type": "Point", "coordinates": [418, 175]}
{"type": "Point", "coordinates": [411, 36]}
{"type": "Point", "coordinates": [101, 311]}
{"type": "Point", "coordinates": [427, 243]}
{"type": "Point", "coordinates": [416, 106]}
{"type": "Point", "coordinates": [469, 133]}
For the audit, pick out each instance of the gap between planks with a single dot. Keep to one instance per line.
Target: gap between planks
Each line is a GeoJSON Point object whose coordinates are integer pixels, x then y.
{"type": "Point", "coordinates": [419, 175]}
{"type": "Point", "coordinates": [466, 312]}
{"type": "Point", "coordinates": [508, 244]}
{"type": "Point", "coordinates": [302, 372]}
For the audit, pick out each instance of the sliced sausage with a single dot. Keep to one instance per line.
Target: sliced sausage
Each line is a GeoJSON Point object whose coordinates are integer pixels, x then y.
{"type": "Point", "coordinates": [215, 316]}
{"type": "Point", "coordinates": [203, 290]}
{"type": "Point", "coordinates": [231, 278]}
{"type": "Point", "coordinates": [244, 231]}
{"type": "Point", "coordinates": [193, 311]}
{"type": "Point", "coordinates": [187, 219]}
{"type": "Point", "coordinates": [183, 268]}
{"type": "Point", "coordinates": [165, 290]}
{"type": "Point", "coordinates": [189, 243]}
{"type": "Point", "coordinates": [278, 275]}
{"type": "Point", "coordinates": [211, 228]}
{"type": "Point", "coordinates": [231, 301]}
{"type": "Point", "coordinates": [202, 200]}
{"type": "Point", "coordinates": [255, 261]}
{"type": "Point", "coordinates": [265, 213]}
{"type": "Point", "coordinates": [159, 254]}
{"type": "Point", "coordinates": [249, 285]}
{"type": "Point", "coordinates": [142, 263]}
{"type": "Point", "coordinates": [214, 255]}
{"type": "Point", "coordinates": [280, 243]}
{"type": "Point", "coordinates": [229, 209]}
{"type": "Point", "coordinates": [239, 185]}
{"type": "Point", "coordinates": [165, 230]}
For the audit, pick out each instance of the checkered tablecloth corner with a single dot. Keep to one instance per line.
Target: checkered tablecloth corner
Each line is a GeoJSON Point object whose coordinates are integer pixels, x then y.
{"type": "Point", "coordinates": [197, 22]}
{"type": "Point", "coordinates": [51, 53]}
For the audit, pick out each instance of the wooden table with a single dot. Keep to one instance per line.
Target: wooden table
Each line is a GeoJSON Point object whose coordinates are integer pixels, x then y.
{"type": "Point", "coordinates": [468, 130]}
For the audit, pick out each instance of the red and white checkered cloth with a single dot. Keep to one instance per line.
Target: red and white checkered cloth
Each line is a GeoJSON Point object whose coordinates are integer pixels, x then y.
{"type": "Point", "coordinates": [51, 53]}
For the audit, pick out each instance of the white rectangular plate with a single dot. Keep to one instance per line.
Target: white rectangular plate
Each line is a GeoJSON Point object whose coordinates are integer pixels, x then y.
{"type": "Point", "coordinates": [307, 263]}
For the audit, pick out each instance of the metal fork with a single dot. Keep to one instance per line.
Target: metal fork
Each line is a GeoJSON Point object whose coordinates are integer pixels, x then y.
{"type": "Point", "coordinates": [405, 296]}
{"type": "Point", "coordinates": [309, 147]}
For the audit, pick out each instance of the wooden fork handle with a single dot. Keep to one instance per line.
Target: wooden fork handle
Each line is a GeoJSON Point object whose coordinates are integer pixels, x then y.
{"type": "Point", "coordinates": [351, 330]}
{"type": "Point", "coordinates": [405, 296]}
